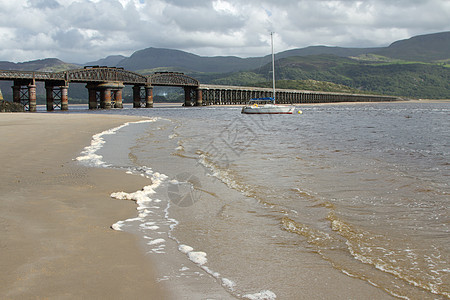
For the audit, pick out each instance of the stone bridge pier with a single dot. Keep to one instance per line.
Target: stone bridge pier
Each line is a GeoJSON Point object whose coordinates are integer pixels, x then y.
{"type": "Point", "coordinates": [142, 96]}
{"type": "Point", "coordinates": [192, 96]}
{"type": "Point", "coordinates": [105, 95]}
{"type": "Point", "coordinates": [24, 92]}
{"type": "Point", "coordinates": [57, 95]}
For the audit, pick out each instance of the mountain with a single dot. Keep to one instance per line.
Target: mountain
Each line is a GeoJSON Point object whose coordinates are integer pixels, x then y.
{"type": "Point", "coordinates": [319, 50]}
{"type": "Point", "coordinates": [43, 65]}
{"type": "Point", "coordinates": [400, 78]}
{"type": "Point", "coordinates": [152, 58]}
{"type": "Point", "coordinates": [425, 48]}
{"type": "Point", "coordinates": [112, 60]}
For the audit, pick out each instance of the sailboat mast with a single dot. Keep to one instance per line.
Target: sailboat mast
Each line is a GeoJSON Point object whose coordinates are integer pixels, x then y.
{"type": "Point", "coordinates": [273, 66]}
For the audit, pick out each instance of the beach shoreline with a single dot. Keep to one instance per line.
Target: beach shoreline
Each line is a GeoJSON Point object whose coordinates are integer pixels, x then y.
{"type": "Point", "coordinates": [55, 214]}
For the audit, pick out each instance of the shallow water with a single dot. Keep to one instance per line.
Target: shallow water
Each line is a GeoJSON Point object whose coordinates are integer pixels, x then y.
{"type": "Point", "coordinates": [247, 201]}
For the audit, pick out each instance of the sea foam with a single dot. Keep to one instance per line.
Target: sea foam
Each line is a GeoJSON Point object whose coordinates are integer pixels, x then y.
{"type": "Point", "coordinates": [89, 155]}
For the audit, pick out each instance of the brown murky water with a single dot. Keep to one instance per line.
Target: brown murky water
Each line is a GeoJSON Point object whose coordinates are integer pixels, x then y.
{"type": "Point", "coordinates": [342, 201]}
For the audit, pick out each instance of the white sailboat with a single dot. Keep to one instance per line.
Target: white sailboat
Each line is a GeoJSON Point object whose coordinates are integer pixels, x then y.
{"type": "Point", "coordinates": [267, 105]}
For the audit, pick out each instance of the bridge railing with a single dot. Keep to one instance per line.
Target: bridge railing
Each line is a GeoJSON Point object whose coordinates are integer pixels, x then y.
{"type": "Point", "coordinates": [104, 74]}
{"type": "Point", "coordinates": [41, 76]}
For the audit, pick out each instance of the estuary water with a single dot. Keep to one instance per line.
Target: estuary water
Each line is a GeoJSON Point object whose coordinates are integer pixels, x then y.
{"type": "Point", "coordinates": [299, 206]}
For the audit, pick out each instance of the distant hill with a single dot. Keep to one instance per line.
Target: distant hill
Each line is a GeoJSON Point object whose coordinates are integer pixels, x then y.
{"type": "Point", "coordinates": [43, 65]}
{"type": "Point", "coordinates": [111, 61]}
{"type": "Point", "coordinates": [425, 48]}
{"type": "Point", "coordinates": [319, 50]}
{"type": "Point", "coordinates": [151, 58]}
{"type": "Point", "coordinates": [416, 80]}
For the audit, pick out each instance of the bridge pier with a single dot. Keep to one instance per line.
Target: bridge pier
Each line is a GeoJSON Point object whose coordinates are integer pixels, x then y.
{"type": "Point", "coordinates": [57, 96]}
{"type": "Point", "coordinates": [187, 96]}
{"type": "Point", "coordinates": [148, 96]}
{"type": "Point", "coordinates": [193, 94]}
{"type": "Point", "coordinates": [109, 94]}
{"type": "Point", "coordinates": [26, 96]}
{"type": "Point", "coordinates": [142, 98]}
{"type": "Point", "coordinates": [199, 101]}
{"type": "Point", "coordinates": [92, 97]}
{"type": "Point", "coordinates": [118, 101]}
{"type": "Point", "coordinates": [16, 93]}
{"type": "Point", "coordinates": [32, 96]}
{"type": "Point", "coordinates": [49, 96]}
{"type": "Point", "coordinates": [64, 97]}
{"type": "Point", "coordinates": [136, 96]}
{"type": "Point", "coordinates": [105, 98]}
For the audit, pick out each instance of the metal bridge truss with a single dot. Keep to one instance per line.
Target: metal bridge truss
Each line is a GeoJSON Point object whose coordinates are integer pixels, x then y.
{"type": "Point", "coordinates": [104, 74]}
{"type": "Point", "coordinates": [172, 79]}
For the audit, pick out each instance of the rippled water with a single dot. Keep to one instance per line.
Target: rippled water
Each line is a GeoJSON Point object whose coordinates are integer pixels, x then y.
{"type": "Point", "coordinates": [362, 188]}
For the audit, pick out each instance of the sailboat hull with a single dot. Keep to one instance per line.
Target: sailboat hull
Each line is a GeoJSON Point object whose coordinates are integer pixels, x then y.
{"type": "Point", "coordinates": [268, 109]}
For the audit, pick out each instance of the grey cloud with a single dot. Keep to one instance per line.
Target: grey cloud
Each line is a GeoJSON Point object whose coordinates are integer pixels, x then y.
{"type": "Point", "coordinates": [43, 4]}
{"type": "Point", "coordinates": [203, 20]}
{"type": "Point", "coordinates": [82, 30]}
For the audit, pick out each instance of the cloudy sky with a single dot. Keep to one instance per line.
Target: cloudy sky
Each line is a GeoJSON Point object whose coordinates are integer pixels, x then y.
{"type": "Point", "coordinates": [86, 30]}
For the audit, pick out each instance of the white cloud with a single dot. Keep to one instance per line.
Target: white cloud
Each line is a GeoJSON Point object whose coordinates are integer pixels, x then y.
{"type": "Point", "coordinates": [86, 30]}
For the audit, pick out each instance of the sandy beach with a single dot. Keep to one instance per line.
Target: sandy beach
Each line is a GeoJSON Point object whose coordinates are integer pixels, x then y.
{"type": "Point", "coordinates": [55, 215]}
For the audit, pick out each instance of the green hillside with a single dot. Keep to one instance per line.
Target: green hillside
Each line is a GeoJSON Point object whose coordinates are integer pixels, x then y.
{"type": "Point", "coordinates": [400, 78]}
{"type": "Point", "coordinates": [42, 65]}
{"type": "Point", "coordinates": [425, 48]}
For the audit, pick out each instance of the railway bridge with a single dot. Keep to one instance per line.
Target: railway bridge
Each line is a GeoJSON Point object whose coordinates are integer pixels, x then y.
{"type": "Point", "coordinates": [105, 87]}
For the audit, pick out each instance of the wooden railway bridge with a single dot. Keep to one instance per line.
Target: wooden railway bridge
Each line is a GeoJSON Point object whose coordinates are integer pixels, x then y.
{"type": "Point", "coordinates": [105, 87]}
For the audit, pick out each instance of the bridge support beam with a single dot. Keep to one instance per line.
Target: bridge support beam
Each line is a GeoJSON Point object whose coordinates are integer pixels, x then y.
{"type": "Point", "coordinates": [57, 95]}
{"type": "Point", "coordinates": [64, 97]}
{"type": "Point", "coordinates": [32, 96]}
{"type": "Point", "coordinates": [110, 95]}
{"type": "Point", "coordinates": [92, 97]}
{"type": "Point", "coordinates": [49, 96]}
{"type": "Point", "coordinates": [105, 98]}
{"type": "Point", "coordinates": [25, 95]}
{"type": "Point", "coordinates": [136, 96]}
{"type": "Point", "coordinates": [118, 102]}
{"type": "Point", "coordinates": [148, 96]}
{"type": "Point", "coordinates": [199, 100]}
{"type": "Point", "coordinates": [192, 96]}
{"type": "Point", "coordinates": [16, 93]}
{"type": "Point", "coordinates": [187, 97]}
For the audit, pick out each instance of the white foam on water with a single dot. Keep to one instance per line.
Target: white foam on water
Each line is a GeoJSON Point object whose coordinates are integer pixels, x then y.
{"type": "Point", "coordinates": [89, 156]}
{"type": "Point", "coordinates": [198, 257]}
{"type": "Point", "coordinates": [118, 225]}
{"type": "Point", "coordinates": [228, 283]}
{"type": "Point", "coordinates": [148, 206]}
{"type": "Point", "coordinates": [185, 249]}
{"type": "Point", "coordinates": [263, 295]}
{"type": "Point", "coordinates": [156, 241]}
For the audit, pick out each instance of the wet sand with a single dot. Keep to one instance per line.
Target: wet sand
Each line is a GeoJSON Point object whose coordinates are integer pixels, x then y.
{"type": "Point", "coordinates": [55, 215]}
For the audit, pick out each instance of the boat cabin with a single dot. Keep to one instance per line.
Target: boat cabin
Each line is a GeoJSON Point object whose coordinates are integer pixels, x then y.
{"type": "Point", "coordinates": [261, 101]}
